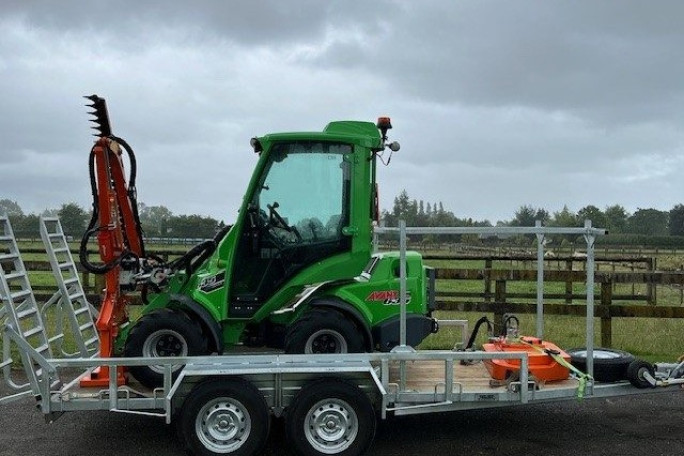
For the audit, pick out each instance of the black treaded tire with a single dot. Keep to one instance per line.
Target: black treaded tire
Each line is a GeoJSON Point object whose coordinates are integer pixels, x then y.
{"type": "Point", "coordinates": [163, 332]}
{"type": "Point", "coordinates": [330, 416]}
{"type": "Point", "coordinates": [636, 371]}
{"type": "Point", "coordinates": [322, 330]}
{"type": "Point", "coordinates": [609, 365]}
{"type": "Point", "coordinates": [224, 416]}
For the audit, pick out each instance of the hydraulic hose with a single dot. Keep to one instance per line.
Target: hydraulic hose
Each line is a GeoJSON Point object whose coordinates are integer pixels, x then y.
{"type": "Point", "coordinates": [92, 228]}
{"type": "Point", "coordinates": [476, 330]}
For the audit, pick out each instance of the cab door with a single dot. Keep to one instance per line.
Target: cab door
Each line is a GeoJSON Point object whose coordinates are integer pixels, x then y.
{"type": "Point", "coordinates": [295, 219]}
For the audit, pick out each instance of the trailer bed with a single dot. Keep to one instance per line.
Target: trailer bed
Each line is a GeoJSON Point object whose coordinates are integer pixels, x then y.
{"type": "Point", "coordinates": [424, 376]}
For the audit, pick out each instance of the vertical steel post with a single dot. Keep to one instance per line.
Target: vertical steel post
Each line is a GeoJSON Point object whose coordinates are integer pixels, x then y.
{"type": "Point", "coordinates": [589, 238]}
{"type": "Point", "coordinates": [402, 282]}
{"type": "Point", "coordinates": [540, 281]}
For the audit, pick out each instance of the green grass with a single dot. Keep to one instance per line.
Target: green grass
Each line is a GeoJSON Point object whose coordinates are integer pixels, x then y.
{"type": "Point", "coordinates": [652, 339]}
{"type": "Point", "coordinates": [648, 338]}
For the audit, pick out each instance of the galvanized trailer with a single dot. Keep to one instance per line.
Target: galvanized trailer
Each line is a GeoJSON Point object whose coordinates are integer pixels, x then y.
{"type": "Point", "coordinates": [224, 404]}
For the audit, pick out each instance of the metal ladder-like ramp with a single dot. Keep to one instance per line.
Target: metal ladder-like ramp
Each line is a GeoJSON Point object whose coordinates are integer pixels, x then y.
{"type": "Point", "coordinates": [23, 322]}
{"type": "Point", "coordinates": [73, 303]}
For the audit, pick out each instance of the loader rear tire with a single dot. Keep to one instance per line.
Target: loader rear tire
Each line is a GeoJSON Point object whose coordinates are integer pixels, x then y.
{"type": "Point", "coordinates": [323, 330]}
{"type": "Point", "coordinates": [162, 333]}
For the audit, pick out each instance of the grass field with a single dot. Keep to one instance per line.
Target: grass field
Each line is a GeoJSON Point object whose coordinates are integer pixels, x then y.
{"type": "Point", "coordinates": [652, 339]}
{"type": "Point", "coordinates": [648, 338]}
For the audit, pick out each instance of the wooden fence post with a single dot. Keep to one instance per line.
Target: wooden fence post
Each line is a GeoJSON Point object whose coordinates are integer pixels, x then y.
{"type": "Point", "coordinates": [499, 301]}
{"type": "Point", "coordinates": [99, 283]}
{"type": "Point", "coordinates": [488, 280]}
{"type": "Point", "coordinates": [606, 321]}
{"type": "Point", "coordinates": [500, 290]}
{"type": "Point", "coordinates": [568, 283]}
{"type": "Point", "coordinates": [87, 286]}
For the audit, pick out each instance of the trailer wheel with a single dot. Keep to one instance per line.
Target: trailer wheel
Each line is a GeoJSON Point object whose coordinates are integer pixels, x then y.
{"type": "Point", "coordinates": [160, 333]}
{"type": "Point", "coordinates": [636, 371]}
{"type": "Point", "coordinates": [330, 416]}
{"type": "Point", "coordinates": [609, 365]}
{"type": "Point", "coordinates": [323, 331]}
{"type": "Point", "coordinates": [225, 416]}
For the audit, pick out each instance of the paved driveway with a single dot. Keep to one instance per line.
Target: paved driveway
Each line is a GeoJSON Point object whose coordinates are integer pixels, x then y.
{"type": "Point", "coordinates": [649, 424]}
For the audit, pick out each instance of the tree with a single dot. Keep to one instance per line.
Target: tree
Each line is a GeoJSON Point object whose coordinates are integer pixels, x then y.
{"type": "Point", "coordinates": [677, 220]}
{"type": "Point", "coordinates": [528, 215]}
{"type": "Point", "coordinates": [11, 208]}
{"type": "Point", "coordinates": [26, 227]}
{"type": "Point", "coordinates": [154, 219]}
{"type": "Point", "coordinates": [73, 218]}
{"type": "Point", "coordinates": [192, 226]}
{"type": "Point", "coordinates": [564, 218]}
{"type": "Point", "coordinates": [616, 219]}
{"type": "Point", "coordinates": [593, 213]}
{"type": "Point", "coordinates": [650, 222]}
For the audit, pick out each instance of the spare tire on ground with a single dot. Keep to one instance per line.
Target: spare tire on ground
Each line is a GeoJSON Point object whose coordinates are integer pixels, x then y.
{"type": "Point", "coordinates": [609, 365]}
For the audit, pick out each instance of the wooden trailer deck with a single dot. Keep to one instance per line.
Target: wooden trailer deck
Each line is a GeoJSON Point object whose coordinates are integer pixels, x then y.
{"type": "Point", "coordinates": [427, 376]}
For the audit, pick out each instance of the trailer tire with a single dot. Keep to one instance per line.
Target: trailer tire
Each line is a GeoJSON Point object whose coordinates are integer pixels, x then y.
{"type": "Point", "coordinates": [330, 416]}
{"type": "Point", "coordinates": [636, 371]}
{"type": "Point", "coordinates": [323, 330]}
{"type": "Point", "coordinates": [609, 365]}
{"type": "Point", "coordinates": [163, 332]}
{"type": "Point", "coordinates": [225, 416]}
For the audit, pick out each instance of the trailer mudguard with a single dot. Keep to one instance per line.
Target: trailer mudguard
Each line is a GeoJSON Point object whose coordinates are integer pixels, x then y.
{"type": "Point", "coordinates": [349, 310]}
{"type": "Point", "coordinates": [195, 310]}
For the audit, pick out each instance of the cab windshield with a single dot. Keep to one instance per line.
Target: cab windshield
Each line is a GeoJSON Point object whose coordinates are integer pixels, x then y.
{"type": "Point", "coordinates": [305, 191]}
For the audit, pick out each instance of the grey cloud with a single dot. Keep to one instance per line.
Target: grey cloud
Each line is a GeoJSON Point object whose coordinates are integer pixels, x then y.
{"type": "Point", "coordinates": [496, 104]}
{"type": "Point", "coordinates": [611, 62]}
{"type": "Point", "coordinates": [258, 22]}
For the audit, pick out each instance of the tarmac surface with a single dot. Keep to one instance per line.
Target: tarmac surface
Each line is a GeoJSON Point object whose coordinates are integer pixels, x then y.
{"type": "Point", "coordinates": [651, 424]}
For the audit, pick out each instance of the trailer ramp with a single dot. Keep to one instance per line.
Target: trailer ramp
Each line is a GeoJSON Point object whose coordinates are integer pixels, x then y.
{"type": "Point", "coordinates": [23, 321]}
{"type": "Point", "coordinates": [71, 299]}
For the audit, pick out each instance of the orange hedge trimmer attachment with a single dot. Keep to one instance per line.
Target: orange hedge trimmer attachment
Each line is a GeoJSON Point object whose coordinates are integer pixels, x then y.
{"type": "Point", "coordinates": [546, 361]}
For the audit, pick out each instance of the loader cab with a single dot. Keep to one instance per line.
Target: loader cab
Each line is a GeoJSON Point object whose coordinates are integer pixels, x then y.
{"type": "Point", "coordinates": [296, 216]}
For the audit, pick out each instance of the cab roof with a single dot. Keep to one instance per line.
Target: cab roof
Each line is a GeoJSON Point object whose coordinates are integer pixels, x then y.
{"type": "Point", "coordinates": [364, 134]}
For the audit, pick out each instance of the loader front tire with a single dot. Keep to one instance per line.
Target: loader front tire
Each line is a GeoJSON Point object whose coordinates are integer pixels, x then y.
{"type": "Point", "coordinates": [323, 330]}
{"type": "Point", "coordinates": [163, 333]}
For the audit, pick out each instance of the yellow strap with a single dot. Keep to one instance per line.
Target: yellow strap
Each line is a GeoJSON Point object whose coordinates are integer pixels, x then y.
{"type": "Point", "coordinates": [581, 376]}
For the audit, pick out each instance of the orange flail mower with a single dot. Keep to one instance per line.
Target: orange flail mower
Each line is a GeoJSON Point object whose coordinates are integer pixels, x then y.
{"type": "Point", "coordinates": [541, 364]}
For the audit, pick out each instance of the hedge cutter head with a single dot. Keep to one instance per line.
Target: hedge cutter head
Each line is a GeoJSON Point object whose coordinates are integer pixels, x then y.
{"type": "Point", "coordinates": [101, 120]}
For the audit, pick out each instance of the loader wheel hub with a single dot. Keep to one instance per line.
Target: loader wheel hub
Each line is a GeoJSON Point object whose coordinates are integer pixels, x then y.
{"type": "Point", "coordinates": [326, 341]}
{"type": "Point", "coordinates": [165, 342]}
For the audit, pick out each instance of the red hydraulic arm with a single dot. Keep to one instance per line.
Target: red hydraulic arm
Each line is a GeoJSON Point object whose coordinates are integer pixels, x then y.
{"type": "Point", "coordinates": [119, 236]}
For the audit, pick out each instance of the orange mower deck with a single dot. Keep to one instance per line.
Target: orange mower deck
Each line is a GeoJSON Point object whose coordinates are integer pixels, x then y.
{"type": "Point", "coordinates": [541, 365]}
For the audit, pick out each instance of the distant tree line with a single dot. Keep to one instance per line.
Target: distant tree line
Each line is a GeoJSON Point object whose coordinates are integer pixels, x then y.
{"type": "Point", "coordinates": [159, 221]}
{"type": "Point", "coordinates": [624, 227]}
{"type": "Point", "coordinates": [156, 221]}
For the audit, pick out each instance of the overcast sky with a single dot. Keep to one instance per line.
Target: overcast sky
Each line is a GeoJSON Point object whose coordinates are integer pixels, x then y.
{"type": "Point", "coordinates": [496, 104]}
